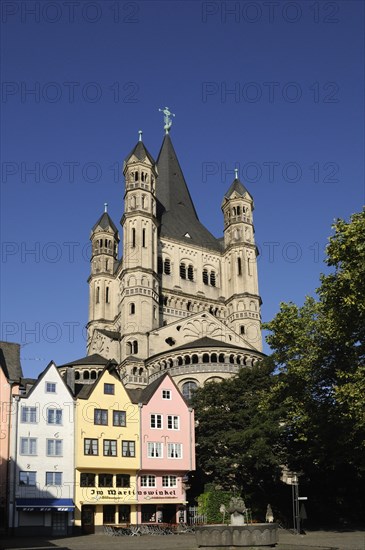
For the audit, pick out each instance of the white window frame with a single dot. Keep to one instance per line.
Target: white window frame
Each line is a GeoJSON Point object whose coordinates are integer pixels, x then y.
{"type": "Point", "coordinates": [26, 444]}
{"type": "Point", "coordinates": [174, 450]}
{"type": "Point", "coordinates": [154, 449]}
{"type": "Point", "coordinates": [49, 387]}
{"type": "Point", "coordinates": [28, 415]}
{"type": "Point", "coordinates": [173, 422]}
{"type": "Point", "coordinates": [169, 481]}
{"type": "Point", "coordinates": [55, 416]}
{"type": "Point", "coordinates": [53, 476]}
{"type": "Point", "coordinates": [156, 419]}
{"type": "Point", "coordinates": [148, 481]}
{"type": "Point", "coordinates": [57, 445]}
{"type": "Point", "coordinates": [25, 483]}
{"type": "Point", "coordinates": [166, 394]}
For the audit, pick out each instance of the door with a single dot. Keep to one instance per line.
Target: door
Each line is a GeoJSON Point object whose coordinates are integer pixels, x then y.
{"type": "Point", "coordinates": [169, 513]}
{"type": "Point", "coordinates": [87, 520]}
{"type": "Point", "coordinates": [59, 524]}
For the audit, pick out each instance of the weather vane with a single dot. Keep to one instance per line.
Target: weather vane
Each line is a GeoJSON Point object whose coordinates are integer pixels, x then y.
{"type": "Point", "coordinates": [105, 207]}
{"type": "Point", "coordinates": [167, 119]}
{"type": "Point", "coordinates": [236, 173]}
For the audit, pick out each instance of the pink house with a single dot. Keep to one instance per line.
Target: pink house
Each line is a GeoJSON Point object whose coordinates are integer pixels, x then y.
{"type": "Point", "coordinates": [10, 375]}
{"type": "Point", "coordinates": [167, 453]}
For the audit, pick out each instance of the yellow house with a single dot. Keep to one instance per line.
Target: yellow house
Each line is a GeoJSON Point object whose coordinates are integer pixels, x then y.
{"type": "Point", "coordinates": [107, 453]}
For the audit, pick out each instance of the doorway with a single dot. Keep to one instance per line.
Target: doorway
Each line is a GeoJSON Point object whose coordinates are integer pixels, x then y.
{"type": "Point", "coordinates": [88, 520]}
{"type": "Point", "coordinates": [59, 524]}
{"type": "Point", "coordinates": [169, 513]}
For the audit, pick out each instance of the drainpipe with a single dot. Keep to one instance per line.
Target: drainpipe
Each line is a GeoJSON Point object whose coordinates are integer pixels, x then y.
{"type": "Point", "coordinates": [7, 499]}
{"type": "Point", "coordinates": [13, 463]}
{"type": "Point", "coordinates": [140, 405]}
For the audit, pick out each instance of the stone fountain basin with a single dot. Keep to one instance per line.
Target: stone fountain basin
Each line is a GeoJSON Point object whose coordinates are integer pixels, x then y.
{"type": "Point", "coordinates": [253, 535]}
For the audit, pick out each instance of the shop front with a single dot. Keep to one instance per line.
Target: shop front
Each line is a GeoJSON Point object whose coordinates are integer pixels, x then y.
{"type": "Point", "coordinates": [47, 516]}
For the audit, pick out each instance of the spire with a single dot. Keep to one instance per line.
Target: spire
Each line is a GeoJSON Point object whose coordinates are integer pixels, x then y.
{"type": "Point", "coordinates": [236, 186]}
{"type": "Point", "coordinates": [176, 211]}
{"type": "Point", "coordinates": [105, 222]}
{"type": "Point", "coordinates": [140, 151]}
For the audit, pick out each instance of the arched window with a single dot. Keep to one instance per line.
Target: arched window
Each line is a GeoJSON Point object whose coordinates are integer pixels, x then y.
{"type": "Point", "coordinates": [77, 375]}
{"type": "Point", "coordinates": [129, 348]}
{"type": "Point", "coordinates": [107, 295]}
{"type": "Point", "coordinates": [212, 278]}
{"type": "Point", "coordinates": [191, 273]}
{"type": "Point", "coordinates": [231, 359]}
{"type": "Point", "coordinates": [135, 346]}
{"type": "Point", "coordinates": [183, 271]}
{"type": "Point", "coordinates": [195, 359]}
{"type": "Point", "coordinates": [132, 308]}
{"type": "Point", "coordinates": [97, 294]}
{"type": "Point", "coordinates": [205, 358]}
{"type": "Point", "coordinates": [144, 238]}
{"type": "Point", "coordinates": [188, 389]}
{"type": "Point", "coordinates": [167, 266]}
{"type": "Point", "coordinates": [242, 329]}
{"type": "Point", "coordinates": [106, 265]}
{"type": "Point", "coordinates": [93, 375]}
{"type": "Point", "coordinates": [133, 238]}
{"type": "Point", "coordinates": [135, 176]}
{"type": "Point", "coordinates": [221, 357]}
{"type": "Point", "coordinates": [213, 358]}
{"type": "Point", "coordinates": [179, 360]}
{"type": "Point", "coordinates": [140, 372]}
{"type": "Point", "coordinates": [205, 277]}
{"type": "Point", "coordinates": [238, 210]}
{"type": "Point", "coordinates": [86, 375]}
{"type": "Point", "coordinates": [134, 371]}
{"type": "Point", "coordinates": [234, 211]}
{"type": "Point", "coordinates": [239, 266]}
{"type": "Point", "coordinates": [187, 360]}
{"type": "Point", "coordinates": [188, 306]}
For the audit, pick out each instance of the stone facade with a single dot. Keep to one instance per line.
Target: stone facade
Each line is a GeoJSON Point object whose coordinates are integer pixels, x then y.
{"type": "Point", "coordinates": [177, 291]}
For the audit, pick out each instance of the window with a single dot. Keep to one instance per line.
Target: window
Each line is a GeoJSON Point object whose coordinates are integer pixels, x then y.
{"type": "Point", "coordinates": [174, 450]}
{"type": "Point", "coordinates": [109, 389]}
{"type": "Point", "coordinates": [29, 414]}
{"type": "Point", "coordinates": [154, 450]}
{"type": "Point", "coordinates": [53, 478]}
{"type": "Point", "coordinates": [132, 308]}
{"type": "Point", "coordinates": [110, 447]}
{"type": "Point", "coordinates": [28, 478]}
{"type": "Point", "coordinates": [183, 271]}
{"type": "Point", "coordinates": [91, 447]}
{"type": "Point", "coordinates": [50, 387]}
{"type": "Point", "coordinates": [122, 480]}
{"type": "Point", "coordinates": [28, 446]}
{"type": "Point", "coordinates": [97, 294]}
{"type": "Point", "coordinates": [143, 238]}
{"type": "Point", "coordinates": [119, 418]}
{"type": "Point", "coordinates": [239, 266]}
{"type": "Point", "coordinates": [133, 238]}
{"type": "Point", "coordinates": [191, 273]}
{"type": "Point", "coordinates": [169, 481]}
{"type": "Point", "coordinates": [54, 416]}
{"type": "Point", "coordinates": [167, 266]}
{"type": "Point", "coordinates": [87, 480]}
{"type": "Point", "coordinates": [107, 295]}
{"type": "Point", "coordinates": [108, 513]}
{"type": "Point", "coordinates": [205, 277]}
{"type": "Point", "coordinates": [173, 422]}
{"type": "Point", "coordinates": [54, 447]}
{"type": "Point", "coordinates": [149, 513]}
{"type": "Point", "coordinates": [135, 346]}
{"type": "Point", "coordinates": [156, 421]}
{"type": "Point", "coordinates": [212, 278]}
{"type": "Point", "coordinates": [105, 480]}
{"type": "Point", "coordinates": [101, 417]}
{"type": "Point", "coordinates": [166, 394]}
{"type": "Point", "coordinates": [242, 329]}
{"type": "Point", "coordinates": [189, 388]}
{"type": "Point", "coordinates": [128, 448]}
{"type": "Point", "coordinates": [148, 481]}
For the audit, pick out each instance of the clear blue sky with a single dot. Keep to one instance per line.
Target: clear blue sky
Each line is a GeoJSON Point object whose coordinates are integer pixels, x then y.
{"type": "Point", "coordinates": [274, 88]}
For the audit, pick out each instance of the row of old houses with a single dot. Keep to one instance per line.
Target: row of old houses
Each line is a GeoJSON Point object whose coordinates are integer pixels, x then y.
{"type": "Point", "coordinates": [79, 457]}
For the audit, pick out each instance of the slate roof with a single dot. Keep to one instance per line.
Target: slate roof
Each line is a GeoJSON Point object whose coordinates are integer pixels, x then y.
{"type": "Point", "coordinates": [175, 208]}
{"type": "Point", "coordinates": [207, 342]}
{"type": "Point", "coordinates": [10, 360]}
{"type": "Point", "coordinates": [141, 153]}
{"type": "Point", "coordinates": [237, 186]}
{"type": "Point", "coordinates": [94, 359]}
{"type": "Point", "coordinates": [112, 334]}
{"type": "Point", "coordinates": [105, 222]}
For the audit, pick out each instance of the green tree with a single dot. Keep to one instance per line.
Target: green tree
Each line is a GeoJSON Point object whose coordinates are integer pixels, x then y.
{"type": "Point", "coordinates": [318, 354]}
{"type": "Point", "coordinates": [238, 443]}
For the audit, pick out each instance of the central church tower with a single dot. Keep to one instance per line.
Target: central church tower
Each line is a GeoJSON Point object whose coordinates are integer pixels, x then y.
{"type": "Point", "coordinates": [179, 298]}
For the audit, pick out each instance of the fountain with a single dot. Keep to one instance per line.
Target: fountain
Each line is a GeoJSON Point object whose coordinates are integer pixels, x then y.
{"type": "Point", "coordinates": [238, 534]}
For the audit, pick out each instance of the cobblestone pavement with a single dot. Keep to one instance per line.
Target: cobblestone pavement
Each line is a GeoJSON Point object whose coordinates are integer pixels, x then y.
{"type": "Point", "coordinates": [314, 540]}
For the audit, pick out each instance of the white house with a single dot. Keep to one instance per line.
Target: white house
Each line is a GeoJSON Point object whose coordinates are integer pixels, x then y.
{"type": "Point", "coordinates": [42, 458]}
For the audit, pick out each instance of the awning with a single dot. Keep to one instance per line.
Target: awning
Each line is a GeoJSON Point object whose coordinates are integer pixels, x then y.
{"type": "Point", "coordinates": [45, 504]}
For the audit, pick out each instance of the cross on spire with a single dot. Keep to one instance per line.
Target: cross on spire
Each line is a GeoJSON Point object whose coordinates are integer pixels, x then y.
{"type": "Point", "coordinates": [105, 207]}
{"type": "Point", "coordinates": [236, 173]}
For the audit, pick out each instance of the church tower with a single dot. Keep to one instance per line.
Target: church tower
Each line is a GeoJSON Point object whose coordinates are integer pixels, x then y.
{"type": "Point", "coordinates": [139, 281]}
{"type": "Point", "coordinates": [104, 241]}
{"type": "Point", "coordinates": [243, 303]}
